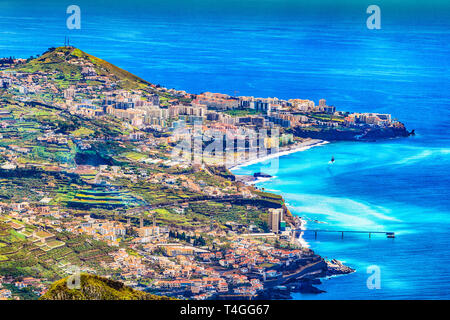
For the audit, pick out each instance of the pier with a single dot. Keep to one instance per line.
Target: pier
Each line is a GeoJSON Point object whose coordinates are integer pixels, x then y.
{"type": "Point", "coordinates": [316, 231]}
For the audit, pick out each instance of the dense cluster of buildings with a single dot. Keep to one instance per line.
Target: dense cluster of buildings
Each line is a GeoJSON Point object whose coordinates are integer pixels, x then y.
{"type": "Point", "coordinates": [35, 285]}
{"type": "Point", "coordinates": [169, 110]}
{"type": "Point", "coordinates": [97, 94]}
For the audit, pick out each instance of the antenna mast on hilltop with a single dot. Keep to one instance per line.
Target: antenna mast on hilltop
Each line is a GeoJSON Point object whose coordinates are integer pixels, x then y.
{"type": "Point", "coordinates": [66, 42]}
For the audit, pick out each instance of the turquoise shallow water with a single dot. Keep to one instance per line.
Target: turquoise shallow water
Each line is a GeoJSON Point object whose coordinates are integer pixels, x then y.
{"type": "Point", "coordinates": [396, 186]}
{"type": "Point", "coordinates": [261, 48]}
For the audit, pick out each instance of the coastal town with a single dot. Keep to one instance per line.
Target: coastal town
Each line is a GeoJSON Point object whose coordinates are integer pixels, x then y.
{"type": "Point", "coordinates": [105, 173]}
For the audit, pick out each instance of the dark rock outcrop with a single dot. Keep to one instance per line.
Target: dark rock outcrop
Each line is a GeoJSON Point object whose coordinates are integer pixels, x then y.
{"type": "Point", "coordinates": [335, 267]}
{"type": "Point", "coordinates": [306, 286]}
{"type": "Point", "coordinates": [354, 134]}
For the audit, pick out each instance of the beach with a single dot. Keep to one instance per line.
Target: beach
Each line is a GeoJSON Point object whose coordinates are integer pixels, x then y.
{"type": "Point", "coordinates": [297, 147]}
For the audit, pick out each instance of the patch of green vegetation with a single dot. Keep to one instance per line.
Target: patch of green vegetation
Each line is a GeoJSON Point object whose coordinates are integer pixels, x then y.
{"type": "Point", "coordinates": [135, 156]}
{"type": "Point", "coordinates": [96, 288]}
{"type": "Point", "coordinates": [222, 212]}
{"type": "Point", "coordinates": [241, 112]}
{"type": "Point", "coordinates": [87, 199]}
{"type": "Point", "coordinates": [268, 195]}
{"type": "Point", "coordinates": [156, 193]}
{"type": "Point", "coordinates": [82, 132]}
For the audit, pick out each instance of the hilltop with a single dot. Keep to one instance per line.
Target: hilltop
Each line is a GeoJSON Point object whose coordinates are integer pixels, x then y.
{"type": "Point", "coordinates": [96, 288]}
{"type": "Point", "coordinates": [69, 61]}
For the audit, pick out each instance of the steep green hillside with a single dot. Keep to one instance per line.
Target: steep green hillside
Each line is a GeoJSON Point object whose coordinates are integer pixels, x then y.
{"type": "Point", "coordinates": [96, 288]}
{"type": "Point", "coordinates": [68, 62]}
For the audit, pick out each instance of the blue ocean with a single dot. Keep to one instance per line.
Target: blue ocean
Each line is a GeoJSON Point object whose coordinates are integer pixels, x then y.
{"type": "Point", "coordinates": [282, 49]}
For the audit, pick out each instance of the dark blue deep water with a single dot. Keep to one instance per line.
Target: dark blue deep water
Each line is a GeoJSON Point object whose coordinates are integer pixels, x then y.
{"type": "Point", "coordinates": [403, 69]}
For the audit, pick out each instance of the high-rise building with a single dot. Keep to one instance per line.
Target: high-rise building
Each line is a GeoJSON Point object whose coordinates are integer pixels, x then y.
{"type": "Point", "coordinates": [329, 109]}
{"type": "Point", "coordinates": [274, 219]}
{"type": "Point", "coordinates": [263, 106]}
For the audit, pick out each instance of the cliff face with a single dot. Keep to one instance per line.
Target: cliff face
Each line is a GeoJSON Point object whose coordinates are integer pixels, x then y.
{"type": "Point", "coordinates": [363, 134]}
{"type": "Point", "coordinates": [383, 133]}
{"type": "Point", "coordinates": [96, 288]}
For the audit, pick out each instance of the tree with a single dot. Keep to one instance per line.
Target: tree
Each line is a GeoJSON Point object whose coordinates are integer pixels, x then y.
{"type": "Point", "coordinates": [200, 241]}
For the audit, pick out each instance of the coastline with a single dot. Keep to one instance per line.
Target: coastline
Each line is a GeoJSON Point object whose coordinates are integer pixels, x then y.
{"type": "Point", "coordinates": [300, 238]}
{"type": "Point", "coordinates": [298, 147]}
{"type": "Point", "coordinates": [334, 267]}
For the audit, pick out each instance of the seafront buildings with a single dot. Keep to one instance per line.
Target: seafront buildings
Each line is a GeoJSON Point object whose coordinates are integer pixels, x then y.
{"type": "Point", "coordinates": [147, 110]}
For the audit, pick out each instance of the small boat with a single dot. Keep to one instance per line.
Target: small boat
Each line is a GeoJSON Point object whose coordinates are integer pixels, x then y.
{"type": "Point", "coordinates": [390, 235]}
{"type": "Point", "coordinates": [332, 160]}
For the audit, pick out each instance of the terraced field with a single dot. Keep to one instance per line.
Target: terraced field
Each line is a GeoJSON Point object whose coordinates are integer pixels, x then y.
{"type": "Point", "coordinates": [24, 256]}
{"type": "Point", "coordinates": [87, 199]}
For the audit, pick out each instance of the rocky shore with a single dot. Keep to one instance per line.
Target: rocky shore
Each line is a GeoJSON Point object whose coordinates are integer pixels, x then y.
{"type": "Point", "coordinates": [336, 267]}
{"type": "Point", "coordinates": [307, 283]}
{"type": "Point", "coordinates": [354, 134]}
